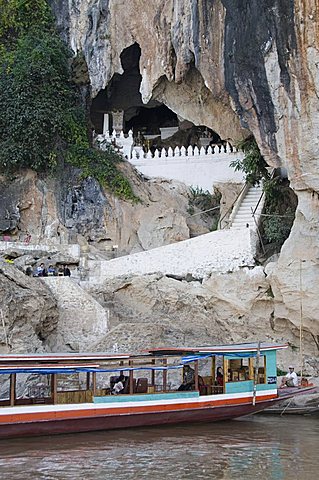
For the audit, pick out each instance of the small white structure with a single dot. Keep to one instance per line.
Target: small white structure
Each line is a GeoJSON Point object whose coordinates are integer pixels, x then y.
{"type": "Point", "coordinates": [167, 132]}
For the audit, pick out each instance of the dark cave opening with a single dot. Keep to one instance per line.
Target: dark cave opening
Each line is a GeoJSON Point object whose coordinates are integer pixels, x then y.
{"type": "Point", "coordinates": [119, 106]}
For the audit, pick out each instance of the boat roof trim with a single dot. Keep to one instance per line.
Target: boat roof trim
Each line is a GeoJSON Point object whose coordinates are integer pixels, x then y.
{"type": "Point", "coordinates": [164, 351]}
{"type": "Point", "coordinates": [233, 348]}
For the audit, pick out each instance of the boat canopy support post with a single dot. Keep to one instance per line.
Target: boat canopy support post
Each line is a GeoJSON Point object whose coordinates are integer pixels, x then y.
{"type": "Point", "coordinates": [54, 389]}
{"type": "Point", "coordinates": [153, 374]}
{"type": "Point", "coordinates": [94, 384]}
{"type": "Point", "coordinates": [165, 375]}
{"type": "Point", "coordinates": [88, 380]}
{"type": "Point", "coordinates": [213, 368]}
{"type": "Point", "coordinates": [131, 379]}
{"type": "Point", "coordinates": [196, 375]}
{"type": "Point", "coordinates": [12, 389]}
{"type": "Point", "coordinates": [256, 374]}
{"type": "Point", "coordinates": [225, 369]}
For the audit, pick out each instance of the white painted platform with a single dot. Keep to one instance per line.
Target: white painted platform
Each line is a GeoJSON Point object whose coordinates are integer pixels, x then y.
{"type": "Point", "coordinates": [221, 251]}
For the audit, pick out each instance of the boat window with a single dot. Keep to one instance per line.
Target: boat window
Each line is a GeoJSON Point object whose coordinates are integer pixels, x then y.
{"type": "Point", "coordinates": [241, 370]}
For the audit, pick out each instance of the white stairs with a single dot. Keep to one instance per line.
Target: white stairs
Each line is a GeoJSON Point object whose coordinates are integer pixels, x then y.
{"type": "Point", "coordinates": [243, 214]}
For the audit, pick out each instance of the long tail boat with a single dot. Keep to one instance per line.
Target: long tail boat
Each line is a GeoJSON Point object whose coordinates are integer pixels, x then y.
{"type": "Point", "coordinates": [66, 393]}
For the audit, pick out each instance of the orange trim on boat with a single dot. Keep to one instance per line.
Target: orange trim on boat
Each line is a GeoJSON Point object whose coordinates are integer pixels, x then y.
{"type": "Point", "coordinates": [138, 409]}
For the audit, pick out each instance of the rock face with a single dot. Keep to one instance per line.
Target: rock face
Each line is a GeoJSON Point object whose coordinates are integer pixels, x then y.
{"type": "Point", "coordinates": [72, 210]}
{"type": "Point", "coordinates": [28, 312]}
{"type": "Point", "coordinates": [235, 67]}
{"type": "Point", "coordinates": [81, 318]}
{"type": "Point", "coordinates": [156, 310]}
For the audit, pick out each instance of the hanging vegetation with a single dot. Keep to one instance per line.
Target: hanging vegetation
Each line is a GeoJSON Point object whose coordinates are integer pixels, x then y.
{"type": "Point", "coordinates": [42, 120]}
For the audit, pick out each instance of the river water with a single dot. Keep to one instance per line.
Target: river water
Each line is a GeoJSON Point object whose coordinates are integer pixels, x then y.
{"type": "Point", "coordinates": [259, 447]}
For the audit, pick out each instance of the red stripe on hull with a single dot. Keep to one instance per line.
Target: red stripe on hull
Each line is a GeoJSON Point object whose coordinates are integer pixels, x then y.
{"type": "Point", "coordinates": [109, 422]}
{"type": "Point", "coordinates": [134, 409]}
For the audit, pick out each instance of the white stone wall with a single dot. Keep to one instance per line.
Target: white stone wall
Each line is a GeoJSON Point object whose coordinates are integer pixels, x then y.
{"type": "Point", "coordinates": [221, 251]}
{"type": "Point", "coordinates": [202, 171]}
{"type": "Point", "coordinates": [71, 250]}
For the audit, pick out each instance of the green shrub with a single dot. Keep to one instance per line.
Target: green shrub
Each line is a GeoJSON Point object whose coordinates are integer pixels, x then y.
{"type": "Point", "coordinates": [253, 164]}
{"type": "Point", "coordinates": [42, 121]}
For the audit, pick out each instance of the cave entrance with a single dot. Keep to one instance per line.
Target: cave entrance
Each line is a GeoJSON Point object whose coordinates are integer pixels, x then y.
{"type": "Point", "coordinates": [119, 107]}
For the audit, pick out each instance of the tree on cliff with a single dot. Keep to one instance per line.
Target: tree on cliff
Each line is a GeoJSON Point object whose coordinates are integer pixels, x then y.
{"type": "Point", "coordinates": [42, 120]}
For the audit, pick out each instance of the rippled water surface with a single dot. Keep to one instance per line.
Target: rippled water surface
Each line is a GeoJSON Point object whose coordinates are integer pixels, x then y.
{"type": "Point", "coordinates": [259, 447]}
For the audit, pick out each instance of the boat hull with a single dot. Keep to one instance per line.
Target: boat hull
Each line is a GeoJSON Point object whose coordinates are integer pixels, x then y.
{"type": "Point", "coordinates": [117, 421]}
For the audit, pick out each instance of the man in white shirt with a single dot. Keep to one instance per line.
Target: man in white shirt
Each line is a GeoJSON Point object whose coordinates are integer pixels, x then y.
{"type": "Point", "coordinates": [291, 379]}
{"type": "Point", "coordinates": [119, 385]}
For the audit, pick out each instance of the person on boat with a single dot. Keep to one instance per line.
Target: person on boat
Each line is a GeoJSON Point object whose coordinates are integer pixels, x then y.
{"type": "Point", "coordinates": [219, 377]}
{"type": "Point", "coordinates": [291, 379]}
{"type": "Point", "coordinates": [188, 379]}
{"type": "Point", "coordinates": [118, 385]}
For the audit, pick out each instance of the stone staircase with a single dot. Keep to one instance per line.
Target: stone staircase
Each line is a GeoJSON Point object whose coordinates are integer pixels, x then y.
{"type": "Point", "coordinates": [242, 216]}
{"type": "Point", "coordinates": [82, 319]}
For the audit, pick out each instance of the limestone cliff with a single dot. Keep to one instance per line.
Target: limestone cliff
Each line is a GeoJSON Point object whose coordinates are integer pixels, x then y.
{"type": "Point", "coordinates": [238, 68]}
{"type": "Point", "coordinates": [235, 67]}
{"type": "Point", "coordinates": [69, 210]}
{"type": "Point", "coordinates": [28, 312]}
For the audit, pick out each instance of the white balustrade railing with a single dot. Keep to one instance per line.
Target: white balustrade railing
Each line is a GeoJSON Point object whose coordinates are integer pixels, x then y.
{"type": "Point", "coordinates": [212, 162]}
{"type": "Point", "coordinates": [136, 152]}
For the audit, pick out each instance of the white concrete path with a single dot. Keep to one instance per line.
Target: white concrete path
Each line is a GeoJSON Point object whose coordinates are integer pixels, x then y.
{"type": "Point", "coordinates": [219, 251]}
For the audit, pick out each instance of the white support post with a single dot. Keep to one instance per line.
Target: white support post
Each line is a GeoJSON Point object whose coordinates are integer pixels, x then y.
{"type": "Point", "coordinates": [106, 125]}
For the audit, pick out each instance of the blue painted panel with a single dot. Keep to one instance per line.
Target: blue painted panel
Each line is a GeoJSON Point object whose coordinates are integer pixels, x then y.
{"type": "Point", "coordinates": [145, 398]}
{"type": "Point", "coordinates": [271, 364]}
{"type": "Point", "coordinates": [239, 387]}
{"type": "Point", "coordinates": [247, 386]}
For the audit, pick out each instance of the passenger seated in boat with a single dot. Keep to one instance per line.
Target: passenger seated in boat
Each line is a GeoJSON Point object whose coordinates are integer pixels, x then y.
{"type": "Point", "coordinates": [118, 385]}
{"type": "Point", "coordinates": [188, 379]}
{"type": "Point", "coordinates": [219, 377]}
{"type": "Point", "coordinates": [291, 379]}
